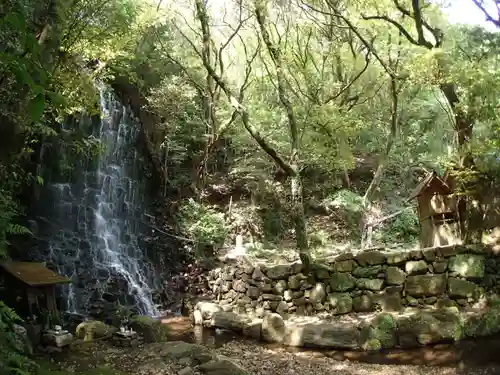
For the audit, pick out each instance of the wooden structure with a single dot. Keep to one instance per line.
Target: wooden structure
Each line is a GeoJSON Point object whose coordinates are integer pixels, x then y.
{"type": "Point", "coordinates": [437, 211]}
{"type": "Point", "coordinates": [29, 288]}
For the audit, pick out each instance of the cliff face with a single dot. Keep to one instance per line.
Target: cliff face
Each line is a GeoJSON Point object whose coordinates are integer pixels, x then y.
{"type": "Point", "coordinates": [151, 135]}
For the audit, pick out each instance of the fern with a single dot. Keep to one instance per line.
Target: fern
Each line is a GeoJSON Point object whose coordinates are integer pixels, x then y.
{"type": "Point", "coordinates": [13, 358]}
{"type": "Point", "coordinates": [16, 229]}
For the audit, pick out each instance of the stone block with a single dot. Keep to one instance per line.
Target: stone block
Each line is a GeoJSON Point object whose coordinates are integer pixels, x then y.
{"type": "Point", "coordinates": [370, 284]}
{"type": "Point", "coordinates": [57, 340]}
{"type": "Point", "coordinates": [425, 285]}
{"type": "Point", "coordinates": [318, 293]}
{"type": "Point", "coordinates": [368, 272]}
{"type": "Point", "coordinates": [344, 266]}
{"type": "Point", "coordinates": [370, 258]}
{"type": "Point", "coordinates": [467, 265]}
{"type": "Point", "coordinates": [418, 267]}
{"type": "Point", "coordinates": [363, 303]}
{"type": "Point", "coordinates": [340, 303]}
{"type": "Point", "coordinates": [428, 327]}
{"type": "Point", "coordinates": [397, 258]}
{"type": "Point", "coordinates": [394, 276]}
{"type": "Point", "coordinates": [341, 335]}
{"type": "Point", "coordinates": [273, 328]}
{"type": "Point", "coordinates": [342, 282]}
{"type": "Point", "coordinates": [458, 288]}
{"type": "Point", "coordinates": [279, 272]}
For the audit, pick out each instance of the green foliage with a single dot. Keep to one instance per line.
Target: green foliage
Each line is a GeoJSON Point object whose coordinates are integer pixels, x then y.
{"type": "Point", "coordinates": [9, 210]}
{"type": "Point", "coordinates": [348, 205]}
{"type": "Point", "coordinates": [203, 224]}
{"type": "Point", "coordinates": [404, 228]}
{"type": "Point", "coordinates": [13, 356]}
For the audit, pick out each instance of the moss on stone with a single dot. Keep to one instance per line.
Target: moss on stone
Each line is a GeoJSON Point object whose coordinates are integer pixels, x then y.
{"type": "Point", "coordinates": [342, 282]}
{"type": "Point", "coordinates": [483, 324]}
{"type": "Point", "coordinates": [150, 328]}
{"type": "Point", "coordinates": [383, 328]}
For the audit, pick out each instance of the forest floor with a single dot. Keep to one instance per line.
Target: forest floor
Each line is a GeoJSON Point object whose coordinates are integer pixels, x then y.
{"type": "Point", "coordinates": [475, 357]}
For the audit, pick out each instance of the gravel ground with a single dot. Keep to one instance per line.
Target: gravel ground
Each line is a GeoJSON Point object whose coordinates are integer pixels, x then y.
{"type": "Point", "coordinates": [258, 360]}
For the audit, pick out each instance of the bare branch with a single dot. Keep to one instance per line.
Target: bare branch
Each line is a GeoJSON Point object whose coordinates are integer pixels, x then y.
{"type": "Point", "coordinates": [480, 4]}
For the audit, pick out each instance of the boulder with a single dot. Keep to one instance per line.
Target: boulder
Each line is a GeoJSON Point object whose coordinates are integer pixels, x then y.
{"type": "Point", "coordinates": [207, 309]}
{"type": "Point", "coordinates": [440, 267]}
{"type": "Point", "coordinates": [295, 281]}
{"type": "Point", "coordinates": [20, 341]}
{"type": "Point", "coordinates": [257, 274]}
{"type": "Point", "coordinates": [197, 318]}
{"type": "Point", "coordinates": [428, 327]}
{"type": "Point", "coordinates": [222, 366]}
{"type": "Point", "coordinates": [57, 339]}
{"type": "Point", "coordinates": [380, 333]}
{"type": "Point", "coordinates": [342, 282]}
{"type": "Point", "coordinates": [483, 323]}
{"type": "Point", "coordinates": [229, 320]}
{"type": "Point", "coordinates": [388, 302]}
{"type": "Point", "coordinates": [342, 335]}
{"type": "Point", "coordinates": [344, 266]}
{"type": "Point", "coordinates": [280, 287]}
{"type": "Point", "coordinates": [417, 267]}
{"type": "Point", "coordinates": [318, 293]}
{"type": "Point", "coordinates": [273, 328]}
{"type": "Point", "coordinates": [395, 276]}
{"type": "Point", "coordinates": [240, 286]}
{"type": "Point", "coordinates": [363, 303]}
{"type": "Point", "coordinates": [369, 258]}
{"type": "Point", "coordinates": [370, 284]}
{"type": "Point", "coordinates": [367, 272]}
{"type": "Point", "coordinates": [253, 329]}
{"type": "Point", "coordinates": [152, 330]}
{"type": "Point", "coordinates": [279, 272]}
{"type": "Point", "coordinates": [187, 371]}
{"type": "Point", "coordinates": [459, 288]}
{"type": "Point", "coordinates": [425, 285]}
{"type": "Point", "coordinates": [398, 258]}
{"type": "Point", "coordinates": [192, 354]}
{"type": "Point", "coordinates": [253, 292]}
{"type": "Point", "coordinates": [93, 329]}
{"type": "Point", "coordinates": [467, 265]}
{"type": "Point", "coordinates": [340, 303]}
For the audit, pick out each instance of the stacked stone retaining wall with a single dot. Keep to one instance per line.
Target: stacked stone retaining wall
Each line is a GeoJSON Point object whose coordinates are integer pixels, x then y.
{"type": "Point", "coordinates": [447, 287]}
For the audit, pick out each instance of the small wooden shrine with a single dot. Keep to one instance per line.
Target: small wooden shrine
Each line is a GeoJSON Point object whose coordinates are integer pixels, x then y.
{"type": "Point", "coordinates": [437, 211]}
{"type": "Point", "coordinates": [29, 288]}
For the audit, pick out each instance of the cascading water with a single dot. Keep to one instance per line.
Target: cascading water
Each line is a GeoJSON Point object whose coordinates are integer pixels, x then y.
{"type": "Point", "coordinates": [96, 219]}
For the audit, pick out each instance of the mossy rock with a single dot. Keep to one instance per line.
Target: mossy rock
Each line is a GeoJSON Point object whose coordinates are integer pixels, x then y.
{"type": "Point", "coordinates": [151, 329]}
{"type": "Point", "coordinates": [93, 330]}
{"type": "Point", "coordinates": [380, 333]}
{"type": "Point", "coordinates": [483, 324]}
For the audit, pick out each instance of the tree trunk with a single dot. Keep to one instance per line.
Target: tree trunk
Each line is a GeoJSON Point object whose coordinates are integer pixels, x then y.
{"type": "Point", "coordinates": [298, 211]}
{"type": "Point", "coordinates": [463, 132]}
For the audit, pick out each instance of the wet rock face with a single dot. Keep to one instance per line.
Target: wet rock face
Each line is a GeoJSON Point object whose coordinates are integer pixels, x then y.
{"type": "Point", "coordinates": [94, 232]}
{"type": "Point", "coordinates": [358, 283]}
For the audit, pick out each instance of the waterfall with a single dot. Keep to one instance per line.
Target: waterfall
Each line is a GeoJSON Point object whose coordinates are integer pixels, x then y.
{"type": "Point", "coordinates": [95, 219]}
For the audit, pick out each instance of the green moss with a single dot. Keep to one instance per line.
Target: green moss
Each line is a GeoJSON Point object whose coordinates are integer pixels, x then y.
{"type": "Point", "coordinates": [151, 329]}
{"type": "Point", "coordinates": [383, 329]}
{"type": "Point", "coordinates": [483, 325]}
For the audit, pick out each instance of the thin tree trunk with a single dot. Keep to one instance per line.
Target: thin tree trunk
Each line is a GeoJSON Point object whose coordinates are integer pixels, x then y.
{"type": "Point", "coordinates": [298, 211]}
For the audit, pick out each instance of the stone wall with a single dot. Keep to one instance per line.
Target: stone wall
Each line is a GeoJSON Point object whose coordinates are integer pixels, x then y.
{"type": "Point", "coordinates": [363, 282]}
{"type": "Point", "coordinates": [447, 287]}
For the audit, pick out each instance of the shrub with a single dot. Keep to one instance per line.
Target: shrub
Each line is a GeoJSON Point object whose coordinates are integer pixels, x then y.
{"type": "Point", "coordinates": [13, 350]}
{"type": "Point", "coordinates": [203, 224]}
